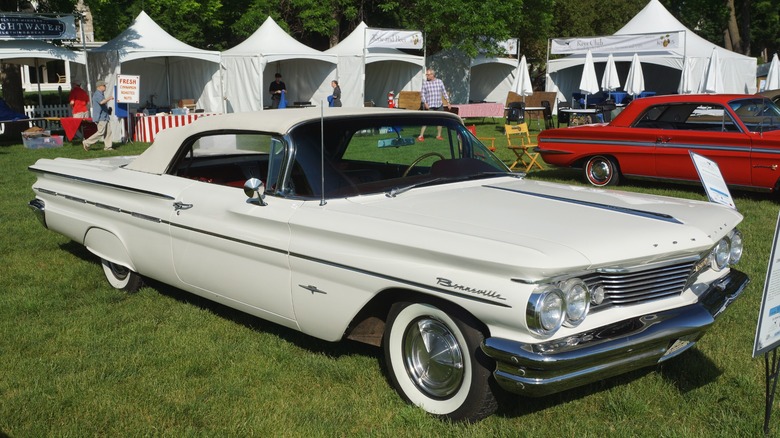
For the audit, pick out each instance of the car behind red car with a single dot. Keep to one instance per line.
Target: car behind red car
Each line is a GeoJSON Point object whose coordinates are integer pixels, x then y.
{"type": "Point", "coordinates": [653, 137]}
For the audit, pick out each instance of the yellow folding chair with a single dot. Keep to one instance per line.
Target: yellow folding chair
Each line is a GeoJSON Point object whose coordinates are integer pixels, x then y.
{"type": "Point", "coordinates": [524, 153]}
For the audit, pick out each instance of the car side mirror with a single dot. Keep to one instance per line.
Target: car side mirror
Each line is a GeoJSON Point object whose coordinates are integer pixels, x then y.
{"type": "Point", "coordinates": [255, 190]}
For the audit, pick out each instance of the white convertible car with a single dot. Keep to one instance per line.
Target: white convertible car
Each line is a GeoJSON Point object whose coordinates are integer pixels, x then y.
{"type": "Point", "coordinates": [341, 224]}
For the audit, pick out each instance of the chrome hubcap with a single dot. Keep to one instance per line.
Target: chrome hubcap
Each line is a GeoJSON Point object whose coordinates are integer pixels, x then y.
{"type": "Point", "coordinates": [433, 358]}
{"type": "Point", "coordinates": [600, 171]}
{"type": "Point", "coordinates": [119, 271]}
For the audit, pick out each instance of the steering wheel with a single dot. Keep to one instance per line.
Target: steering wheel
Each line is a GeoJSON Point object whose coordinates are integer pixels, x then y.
{"type": "Point", "coordinates": [420, 158]}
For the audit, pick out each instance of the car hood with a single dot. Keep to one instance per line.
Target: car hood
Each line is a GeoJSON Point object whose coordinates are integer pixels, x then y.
{"type": "Point", "coordinates": [545, 226]}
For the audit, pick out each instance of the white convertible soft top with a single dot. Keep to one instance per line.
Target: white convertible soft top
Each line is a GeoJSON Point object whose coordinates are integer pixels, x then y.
{"type": "Point", "coordinates": [167, 143]}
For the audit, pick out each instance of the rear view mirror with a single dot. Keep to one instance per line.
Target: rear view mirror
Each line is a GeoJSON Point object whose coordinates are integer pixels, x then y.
{"type": "Point", "coordinates": [395, 142]}
{"type": "Point", "coordinates": [254, 189]}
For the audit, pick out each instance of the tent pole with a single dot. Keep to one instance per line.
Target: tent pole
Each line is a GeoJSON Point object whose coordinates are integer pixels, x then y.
{"type": "Point", "coordinates": [363, 85]}
{"type": "Point", "coordinates": [84, 48]}
{"type": "Point", "coordinates": [548, 78]}
{"type": "Point", "coordinates": [168, 79]}
{"type": "Point", "coordinates": [40, 98]}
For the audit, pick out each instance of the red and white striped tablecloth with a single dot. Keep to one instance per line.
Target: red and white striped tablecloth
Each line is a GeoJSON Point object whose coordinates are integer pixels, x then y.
{"type": "Point", "coordinates": [487, 109]}
{"type": "Point", "coordinates": [146, 127]}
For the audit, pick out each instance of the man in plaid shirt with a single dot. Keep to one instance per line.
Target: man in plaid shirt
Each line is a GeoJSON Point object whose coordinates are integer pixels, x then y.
{"type": "Point", "coordinates": [432, 92]}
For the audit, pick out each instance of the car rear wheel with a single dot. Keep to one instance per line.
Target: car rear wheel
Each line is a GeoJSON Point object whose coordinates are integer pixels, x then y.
{"type": "Point", "coordinates": [602, 171]}
{"type": "Point", "coordinates": [121, 277]}
{"type": "Point", "coordinates": [434, 361]}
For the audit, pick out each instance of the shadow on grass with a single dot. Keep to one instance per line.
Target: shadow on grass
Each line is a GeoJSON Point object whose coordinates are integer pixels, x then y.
{"type": "Point", "coordinates": [301, 340]}
{"type": "Point", "coordinates": [687, 372]}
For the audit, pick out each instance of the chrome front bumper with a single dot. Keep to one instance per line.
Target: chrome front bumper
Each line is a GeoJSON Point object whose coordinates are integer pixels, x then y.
{"type": "Point", "coordinates": [39, 209]}
{"type": "Point", "coordinates": [546, 368]}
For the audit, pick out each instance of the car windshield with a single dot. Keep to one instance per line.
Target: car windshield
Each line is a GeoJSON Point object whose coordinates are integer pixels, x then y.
{"type": "Point", "coordinates": [373, 155]}
{"type": "Point", "coordinates": [757, 114]}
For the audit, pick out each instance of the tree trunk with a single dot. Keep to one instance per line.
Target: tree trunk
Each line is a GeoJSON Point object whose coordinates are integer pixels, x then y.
{"type": "Point", "coordinates": [732, 38]}
{"type": "Point", "coordinates": [336, 31]}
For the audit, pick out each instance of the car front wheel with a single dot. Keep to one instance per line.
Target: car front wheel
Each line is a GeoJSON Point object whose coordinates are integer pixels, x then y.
{"type": "Point", "coordinates": [602, 171]}
{"type": "Point", "coordinates": [121, 277]}
{"type": "Point", "coordinates": [434, 361]}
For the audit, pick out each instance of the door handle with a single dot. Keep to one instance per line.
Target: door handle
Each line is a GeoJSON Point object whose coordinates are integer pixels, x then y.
{"type": "Point", "coordinates": [663, 139]}
{"type": "Point", "coordinates": [178, 206]}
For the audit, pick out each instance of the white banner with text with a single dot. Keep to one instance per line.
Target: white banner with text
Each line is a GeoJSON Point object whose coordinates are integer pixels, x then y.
{"type": "Point", "coordinates": [397, 39]}
{"type": "Point", "coordinates": [650, 42]}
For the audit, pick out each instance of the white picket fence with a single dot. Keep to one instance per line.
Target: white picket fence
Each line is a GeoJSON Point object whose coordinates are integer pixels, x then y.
{"type": "Point", "coordinates": [33, 111]}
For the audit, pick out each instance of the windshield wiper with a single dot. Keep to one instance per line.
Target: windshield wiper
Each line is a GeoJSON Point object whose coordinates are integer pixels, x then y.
{"type": "Point", "coordinates": [395, 191]}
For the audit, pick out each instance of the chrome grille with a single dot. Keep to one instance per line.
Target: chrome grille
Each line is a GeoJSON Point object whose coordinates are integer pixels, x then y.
{"type": "Point", "coordinates": [634, 286]}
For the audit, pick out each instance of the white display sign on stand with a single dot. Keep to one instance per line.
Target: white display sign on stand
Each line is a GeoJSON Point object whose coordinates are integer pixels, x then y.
{"type": "Point", "coordinates": [768, 328]}
{"type": "Point", "coordinates": [128, 89]}
{"type": "Point", "coordinates": [714, 184]}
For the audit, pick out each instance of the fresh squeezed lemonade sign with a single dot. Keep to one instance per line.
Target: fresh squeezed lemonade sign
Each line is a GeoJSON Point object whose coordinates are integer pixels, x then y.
{"type": "Point", "coordinates": [128, 89]}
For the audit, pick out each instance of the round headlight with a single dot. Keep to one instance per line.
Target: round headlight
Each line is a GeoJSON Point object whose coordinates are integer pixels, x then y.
{"type": "Point", "coordinates": [577, 298]}
{"type": "Point", "coordinates": [736, 247]}
{"type": "Point", "coordinates": [719, 256]}
{"type": "Point", "coordinates": [545, 311]}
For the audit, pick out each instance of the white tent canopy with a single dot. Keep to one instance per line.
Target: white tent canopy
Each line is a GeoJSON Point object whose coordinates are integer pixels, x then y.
{"type": "Point", "coordinates": [35, 52]}
{"type": "Point", "coordinates": [27, 51]}
{"type": "Point", "coordinates": [662, 66]}
{"type": "Point", "coordinates": [169, 69]}
{"type": "Point", "coordinates": [368, 74]}
{"type": "Point", "coordinates": [250, 68]}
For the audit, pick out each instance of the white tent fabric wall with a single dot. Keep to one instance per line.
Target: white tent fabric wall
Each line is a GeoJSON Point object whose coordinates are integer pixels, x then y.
{"type": "Point", "coordinates": [773, 75]}
{"type": "Point", "coordinates": [369, 74]}
{"type": "Point", "coordinates": [453, 67]}
{"type": "Point", "coordinates": [249, 68]}
{"type": "Point", "coordinates": [713, 77]}
{"type": "Point", "coordinates": [662, 68]}
{"type": "Point", "coordinates": [493, 78]}
{"type": "Point", "coordinates": [481, 79]}
{"type": "Point", "coordinates": [168, 68]}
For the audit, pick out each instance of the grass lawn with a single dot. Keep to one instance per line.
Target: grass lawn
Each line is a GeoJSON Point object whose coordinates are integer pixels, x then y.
{"type": "Point", "coordinates": [78, 358]}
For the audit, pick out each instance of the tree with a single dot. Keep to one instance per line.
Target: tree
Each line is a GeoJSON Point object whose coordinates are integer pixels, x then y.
{"type": "Point", "coordinates": [765, 27]}
{"type": "Point", "coordinates": [195, 22]}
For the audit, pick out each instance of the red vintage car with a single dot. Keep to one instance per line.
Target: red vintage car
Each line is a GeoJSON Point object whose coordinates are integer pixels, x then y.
{"type": "Point", "coordinates": [652, 137]}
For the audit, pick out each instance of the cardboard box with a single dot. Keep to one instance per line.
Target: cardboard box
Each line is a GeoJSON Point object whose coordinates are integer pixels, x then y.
{"type": "Point", "coordinates": [54, 141]}
{"type": "Point", "coordinates": [35, 134]}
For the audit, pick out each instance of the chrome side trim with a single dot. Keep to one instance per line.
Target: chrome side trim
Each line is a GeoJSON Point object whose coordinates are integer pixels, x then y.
{"type": "Point", "coordinates": [550, 367]}
{"type": "Point", "coordinates": [645, 144]}
{"type": "Point", "coordinates": [279, 250]}
{"type": "Point", "coordinates": [100, 183]}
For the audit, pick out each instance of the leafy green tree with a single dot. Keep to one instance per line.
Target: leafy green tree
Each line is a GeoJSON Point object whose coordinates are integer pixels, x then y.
{"type": "Point", "coordinates": [765, 27]}
{"type": "Point", "coordinates": [195, 22]}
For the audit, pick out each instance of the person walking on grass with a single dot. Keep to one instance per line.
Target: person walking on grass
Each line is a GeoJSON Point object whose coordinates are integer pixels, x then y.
{"type": "Point", "coordinates": [433, 93]}
{"type": "Point", "coordinates": [101, 114]}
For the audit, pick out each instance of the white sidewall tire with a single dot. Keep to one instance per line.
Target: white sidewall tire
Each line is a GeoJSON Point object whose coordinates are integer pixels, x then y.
{"type": "Point", "coordinates": [397, 366]}
{"type": "Point", "coordinates": [130, 281]}
{"type": "Point", "coordinates": [604, 164]}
